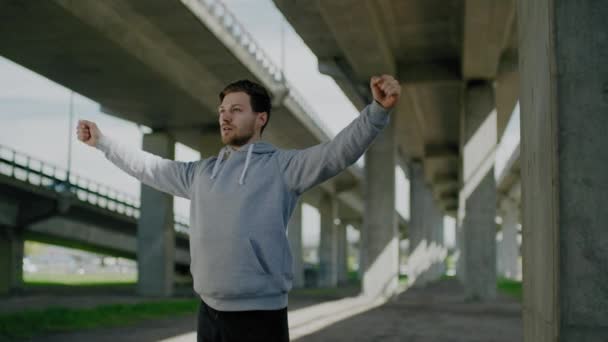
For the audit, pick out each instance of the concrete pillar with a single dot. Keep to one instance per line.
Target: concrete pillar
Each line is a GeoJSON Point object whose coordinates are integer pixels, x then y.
{"type": "Point", "coordinates": [294, 233]}
{"type": "Point", "coordinates": [508, 248]}
{"type": "Point", "coordinates": [11, 260]}
{"type": "Point", "coordinates": [563, 47]}
{"type": "Point", "coordinates": [380, 237]}
{"type": "Point", "coordinates": [210, 142]}
{"type": "Point", "coordinates": [459, 254]}
{"type": "Point", "coordinates": [477, 209]}
{"type": "Point", "coordinates": [427, 254]}
{"type": "Point", "coordinates": [328, 246]}
{"type": "Point", "coordinates": [342, 253]}
{"type": "Point", "coordinates": [155, 231]}
{"type": "Point", "coordinates": [418, 262]}
{"type": "Point", "coordinates": [438, 252]}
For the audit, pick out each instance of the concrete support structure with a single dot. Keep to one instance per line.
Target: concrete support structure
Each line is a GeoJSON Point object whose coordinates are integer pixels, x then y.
{"type": "Point", "coordinates": [508, 248]}
{"type": "Point", "coordinates": [417, 263]}
{"type": "Point", "coordinates": [564, 104]}
{"type": "Point", "coordinates": [379, 236]}
{"type": "Point", "coordinates": [342, 253]}
{"type": "Point", "coordinates": [437, 251]}
{"type": "Point", "coordinates": [477, 209]}
{"type": "Point", "coordinates": [155, 231]}
{"type": "Point", "coordinates": [11, 260]}
{"type": "Point", "coordinates": [328, 246]}
{"type": "Point", "coordinates": [426, 251]}
{"type": "Point", "coordinates": [294, 234]}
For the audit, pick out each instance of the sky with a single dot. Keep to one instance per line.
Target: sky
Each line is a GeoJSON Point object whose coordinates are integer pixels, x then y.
{"type": "Point", "coordinates": [35, 119]}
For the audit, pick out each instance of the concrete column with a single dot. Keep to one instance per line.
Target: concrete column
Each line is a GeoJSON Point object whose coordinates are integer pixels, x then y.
{"type": "Point", "coordinates": [508, 248]}
{"type": "Point", "coordinates": [11, 260]}
{"type": "Point", "coordinates": [418, 262]}
{"type": "Point", "coordinates": [328, 246]}
{"type": "Point", "coordinates": [477, 209]}
{"type": "Point", "coordinates": [210, 142]}
{"type": "Point", "coordinates": [342, 253]}
{"type": "Point", "coordinates": [294, 233]}
{"type": "Point", "coordinates": [459, 255]}
{"type": "Point", "coordinates": [427, 254]}
{"type": "Point", "coordinates": [380, 236]}
{"type": "Point", "coordinates": [438, 252]}
{"type": "Point", "coordinates": [564, 167]}
{"type": "Point", "coordinates": [155, 231]}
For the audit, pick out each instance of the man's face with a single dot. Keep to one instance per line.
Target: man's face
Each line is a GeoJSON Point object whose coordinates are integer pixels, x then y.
{"type": "Point", "coordinates": [237, 119]}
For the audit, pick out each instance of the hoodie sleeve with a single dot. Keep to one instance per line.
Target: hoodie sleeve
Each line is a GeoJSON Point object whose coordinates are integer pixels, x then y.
{"type": "Point", "coordinates": [303, 169]}
{"type": "Point", "coordinates": [170, 176]}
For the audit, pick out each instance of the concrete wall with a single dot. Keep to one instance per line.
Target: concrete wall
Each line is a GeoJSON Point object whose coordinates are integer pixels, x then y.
{"type": "Point", "coordinates": [563, 49]}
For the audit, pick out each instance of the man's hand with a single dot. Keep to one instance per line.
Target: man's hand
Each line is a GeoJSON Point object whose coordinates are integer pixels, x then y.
{"type": "Point", "coordinates": [88, 132]}
{"type": "Point", "coordinates": [386, 90]}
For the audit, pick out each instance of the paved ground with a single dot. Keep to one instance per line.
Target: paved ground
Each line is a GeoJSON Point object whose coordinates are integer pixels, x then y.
{"type": "Point", "coordinates": [436, 313]}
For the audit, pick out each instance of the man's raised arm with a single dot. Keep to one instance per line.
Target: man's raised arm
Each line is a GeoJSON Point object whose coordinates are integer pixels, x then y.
{"type": "Point", "coordinates": [166, 175]}
{"type": "Point", "coordinates": [303, 169]}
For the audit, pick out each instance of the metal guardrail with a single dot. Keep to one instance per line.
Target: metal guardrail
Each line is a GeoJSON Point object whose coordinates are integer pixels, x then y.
{"type": "Point", "coordinates": [24, 168]}
{"type": "Point", "coordinates": [229, 22]}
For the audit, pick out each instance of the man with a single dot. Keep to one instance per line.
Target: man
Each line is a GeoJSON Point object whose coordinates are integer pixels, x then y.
{"type": "Point", "coordinates": [241, 202]}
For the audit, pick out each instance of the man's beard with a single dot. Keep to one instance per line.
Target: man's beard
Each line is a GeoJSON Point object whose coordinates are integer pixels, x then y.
{"type": "Point", "coordinates": [240, 140]}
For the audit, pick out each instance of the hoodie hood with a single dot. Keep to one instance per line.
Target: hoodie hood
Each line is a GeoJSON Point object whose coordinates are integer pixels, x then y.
{"type": "Point", "coordinates": [258, 147]}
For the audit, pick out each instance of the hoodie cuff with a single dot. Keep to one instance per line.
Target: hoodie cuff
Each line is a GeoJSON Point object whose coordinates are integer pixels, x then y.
{"type": "Point", "coordinates": [379, 116]}
{"type": "Point", "coordinates": [104, 144]}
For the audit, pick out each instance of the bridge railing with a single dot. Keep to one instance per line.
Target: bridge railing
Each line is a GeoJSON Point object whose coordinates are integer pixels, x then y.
{"type": "Point", "coordinates": [25, 168]}
{"type": "Point", "coordinates": [231, 24]}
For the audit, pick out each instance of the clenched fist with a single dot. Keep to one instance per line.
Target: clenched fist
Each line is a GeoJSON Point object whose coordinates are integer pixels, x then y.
{"type": "Point", "coordinates": [386, 90]}
{"type": "Point", "coordinates": [88, 132]}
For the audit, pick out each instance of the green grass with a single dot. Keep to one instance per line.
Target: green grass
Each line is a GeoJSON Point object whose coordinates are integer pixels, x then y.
{"type": "Point", "coordinates": [79, 279]}
{"type": "Point", "coordinates": [26, 324]}
{"type": "Point", "coordinates": [510, 287]}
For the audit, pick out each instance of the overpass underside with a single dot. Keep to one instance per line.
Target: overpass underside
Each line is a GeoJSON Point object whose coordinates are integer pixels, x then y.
{"type": "Point", "coordinates": [161, 64]}
{"type": "Point", "coordinates": [464, 66]}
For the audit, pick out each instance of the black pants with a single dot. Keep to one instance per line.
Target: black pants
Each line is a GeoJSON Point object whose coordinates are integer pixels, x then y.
{"type": "Point", "coordinates": [242, 326]}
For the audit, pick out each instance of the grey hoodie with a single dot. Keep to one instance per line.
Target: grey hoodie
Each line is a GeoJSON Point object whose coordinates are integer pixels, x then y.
{"type": "Point", "coordinates": [240, 207]}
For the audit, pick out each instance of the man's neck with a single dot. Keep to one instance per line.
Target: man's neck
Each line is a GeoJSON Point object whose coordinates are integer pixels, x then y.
{"type": "Point", "coordinates": [254, 139]}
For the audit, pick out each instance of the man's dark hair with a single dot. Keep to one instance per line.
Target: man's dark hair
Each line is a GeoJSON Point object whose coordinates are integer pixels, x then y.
{"type": "Point", "coordinates": [259, 97]}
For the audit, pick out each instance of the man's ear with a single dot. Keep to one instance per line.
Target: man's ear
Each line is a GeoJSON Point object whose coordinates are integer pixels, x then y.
{"type": "Point", "coordinates": [263, 118]}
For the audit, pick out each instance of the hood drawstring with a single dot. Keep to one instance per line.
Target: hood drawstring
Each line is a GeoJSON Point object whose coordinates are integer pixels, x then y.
{"type": "Point", "coordinates": [216, 167]}
{"type": "Point", "coordinates": [220, 157]}
{"type": "Point", "coordinates": [249, 151]}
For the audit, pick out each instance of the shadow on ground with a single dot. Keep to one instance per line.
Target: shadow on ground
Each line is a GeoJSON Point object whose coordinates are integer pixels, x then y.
{"type": "Point", "coordinates": [436, 313]}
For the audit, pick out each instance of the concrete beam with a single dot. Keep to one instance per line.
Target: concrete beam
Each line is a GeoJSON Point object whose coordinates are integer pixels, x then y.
{"type": "Point", "coordinates": [356, 90]}
{"type": "Point", "coordinates": [430, 72]}
{"type": "Point", "coordinates": [126, 28]}
{"type": "Point", "coordinates": [434, 153]}
{"type": "Point", "coordinates": [487, 26]}
{"type": "Point", "coordinates": [360, 28]}
{"type": "Point", "coordinates": [564, 163]}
